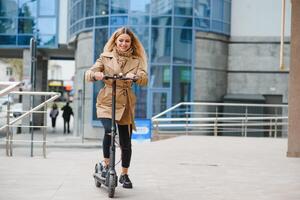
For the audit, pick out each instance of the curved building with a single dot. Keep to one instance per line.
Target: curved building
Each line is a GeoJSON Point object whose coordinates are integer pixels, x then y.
{"type": "Point", "coordinates": [167, 29]}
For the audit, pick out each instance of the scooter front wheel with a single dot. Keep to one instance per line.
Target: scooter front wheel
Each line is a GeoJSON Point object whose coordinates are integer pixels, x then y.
{"type": "Point", "coordinates": [112, 185]}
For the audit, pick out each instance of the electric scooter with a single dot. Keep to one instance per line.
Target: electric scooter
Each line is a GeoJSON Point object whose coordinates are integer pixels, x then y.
{"type": "Point", "coordinates": [111, 179]}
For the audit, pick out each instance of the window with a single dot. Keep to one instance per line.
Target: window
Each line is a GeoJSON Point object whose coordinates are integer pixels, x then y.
{"type": "Point", "coordinates": [9, 71]}
{"type": "Point", "coordinates": [47, 7]}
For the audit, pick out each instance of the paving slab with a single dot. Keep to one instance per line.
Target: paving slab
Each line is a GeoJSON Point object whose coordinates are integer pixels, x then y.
{"type": "Point", "coordinates": [185, 167]}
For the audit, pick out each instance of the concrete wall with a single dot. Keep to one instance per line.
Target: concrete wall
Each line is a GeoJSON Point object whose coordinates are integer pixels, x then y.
{"type": "Point", "coordinates": [210, 67]}
{"type": "Point", "coordinates": [258, 18]}
{"type": "Point", "coordinates": [253, 67]}
{"type": "Point", "coordinates": [84, 60]}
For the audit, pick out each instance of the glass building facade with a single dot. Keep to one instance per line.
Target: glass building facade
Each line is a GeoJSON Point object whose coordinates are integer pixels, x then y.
{"type": "Point", "coordinates": [22, 19]}
{"type": "Point", "coordinates": [167, 30]}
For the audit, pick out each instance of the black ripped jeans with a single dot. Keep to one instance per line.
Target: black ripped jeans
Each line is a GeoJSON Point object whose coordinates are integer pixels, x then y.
{"type": "Point", "coordinates": [124, 132]}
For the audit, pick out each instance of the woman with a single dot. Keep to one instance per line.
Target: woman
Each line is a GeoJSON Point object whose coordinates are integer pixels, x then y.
{"type": "Point", "coordinates": [123, 53]}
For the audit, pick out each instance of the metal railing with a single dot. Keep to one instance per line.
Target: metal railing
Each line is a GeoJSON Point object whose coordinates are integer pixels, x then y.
{"type": "Point", "coordinates": [29, 113]}
{"type": "Point", "coordinates": [227, 119]}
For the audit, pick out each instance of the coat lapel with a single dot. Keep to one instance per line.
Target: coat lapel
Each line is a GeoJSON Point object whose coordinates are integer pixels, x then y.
{"type": "Point", "coordinates": [130, 66]}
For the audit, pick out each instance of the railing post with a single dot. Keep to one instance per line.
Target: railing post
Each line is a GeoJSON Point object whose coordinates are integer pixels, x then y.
{"type": "Point", "coordinates": [44, 129]}
{"type": "Point", "coordinates": [216, 123]}
{"type": "Point", "coordinates": [8, 133]}
{"type": "Point", "coordinates": [246, 120]}
{"type": "Point", "coordinates": [155, 130]}
{"type": "Point", "coordinates": [186, 123]}
{"type": "Point", "coordinates": [276, 120]}
{"type": "Point", "coordinates": [270, 130]}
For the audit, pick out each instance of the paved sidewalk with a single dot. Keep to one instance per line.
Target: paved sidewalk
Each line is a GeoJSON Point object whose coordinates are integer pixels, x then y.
{"type": "Point", "coordinates": [186, 167]}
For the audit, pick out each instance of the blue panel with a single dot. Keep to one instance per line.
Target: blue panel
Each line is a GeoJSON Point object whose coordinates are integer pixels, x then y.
{"type": "Point", "coordinates": [101, 21]}
{"type": "Point", "coordinates": [118, 20]}
{"type": "Point", "coordinates": [101, 7]}
{"type": "Point", "coordinates": [27, 8]}
{"type": "Point", "coordinates": [161, 45]}
{"type": "Point", "coordinates": [139, 7]}
{"type": "Point", "coordinates": [47, 25]}
{"type": "Point", "coordinates": [8, 25]}
{"type": "Point", "coordinates": [26, 25]}
{"type": "Point", "coordinates": [182, 77]}
{"type": "Point", "coordinates": [24, 40]}
{"type": "Point", "coordinates": [182, 49]}
{"type": "Point", "coordinates": [183, 7]}
{"type": "Point", "coordinates": [47, 40]}
{"type": "Point", "coordinates": [89, 8]}
{"type": "Point", "coordinates": [183, 21]}
{"type": "Point", "coordinates": [8, 40]}
{"type": "Point", "coordinates": [46, 7]}
{"type": "Point", "coordinates": [119, 6]}
{"type": "Point", "coordinates": [8, 8]}
{"type": "Point", "coordinates": [160, 76]}
{"type": "Point", "coordinates": [162, 20]}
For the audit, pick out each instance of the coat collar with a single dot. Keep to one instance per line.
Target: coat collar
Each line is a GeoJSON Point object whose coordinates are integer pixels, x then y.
{"type": "Point", "coordinates": [130, 65]}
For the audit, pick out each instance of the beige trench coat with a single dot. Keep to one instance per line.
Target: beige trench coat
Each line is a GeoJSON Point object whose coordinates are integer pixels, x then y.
{"type": "Point", "coordinates": [125, 98]}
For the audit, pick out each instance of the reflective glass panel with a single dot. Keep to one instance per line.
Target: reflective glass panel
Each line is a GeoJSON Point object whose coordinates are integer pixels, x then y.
{"type": "Point", "coordinates": [96, 88]}
{"type": "Point", "coordinates": [27, 8]}
{"type": "Point", "coordinates": [8, 8]}
{"type": "Point", "coordinates": [89, 8]}
{"type": "Point", "coordinates": [202, 8]}
{"type": "Point", "coordinates": [159, 102]}
{"type": "Point", "coordinates": [141, 101]}
{"type": "Point", "coordinates": [8, 25]}
{"type": "Point", "coordinates": [47, 7]}
{"type": "Point", "coordinates": [101, 36]}
{"type": "Point", "coordinates": [183, 7]}
{"type": "Point", "coordinates": [79, 10]}
{"type": "Point", "coordinates": [47, 40]}
{"type": "Point", "coordinates": [119, 6]}
{"type": "Point", "coordinates": [47, 25]}
{"type": "Point", "coordinates": [7, 40]}
{"type": "Point", "coordinates": [161, 7]}
{"type": "Point", "coordinates": [24, 39]}
{"type": "Point", "coordinates": [227, 14]}
{"type": "Point", "coordinates": [161, 45]}
{"type": "Point", "coordinates": [119, 20]}
{"type": "Point", "coordinates": [101, 7]}
{"type": "Point", "coordinates": [143, 34]}
{"type": "Point", "coordinates": [183, 21]}
{"type": "Point", "coordinates": [101, 21]}
{"type": "Point", "coordinates": [160, 76]}
{"type": "Point", "coordinates": [217, 25]}
{"type": "Point", "coordinates": [89, 23]}
{"type": "Point", "coordinates": [140, 6]}
{"type": "Point", "coordinates": [217, 9]}
{"type": "Point", "coordinates": [26, 25]}
{"type": "Point", "coordinates": [181, 85]}
{"type": "Point", "coordinates": [182, 50]}
{"type": "Point", "coordinates": [161, 20]}
{"type": "Point", "coordinates": [202, 23]}
{"type": "Point", "coordinates": [138, 20]}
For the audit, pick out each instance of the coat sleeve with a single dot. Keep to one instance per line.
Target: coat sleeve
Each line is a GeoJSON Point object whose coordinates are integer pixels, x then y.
{"type": "Point", "coordinates": [97, 67]}
{"type": "Point", "coordinates": [142, 74]}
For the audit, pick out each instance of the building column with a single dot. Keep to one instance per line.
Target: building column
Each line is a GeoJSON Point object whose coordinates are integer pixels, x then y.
{"type": "Point", "coordinates": [294, 84]}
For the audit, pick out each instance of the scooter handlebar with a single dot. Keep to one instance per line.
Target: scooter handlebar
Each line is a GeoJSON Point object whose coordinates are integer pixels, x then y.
{"type": "Point", "coordinates": [119, 77]}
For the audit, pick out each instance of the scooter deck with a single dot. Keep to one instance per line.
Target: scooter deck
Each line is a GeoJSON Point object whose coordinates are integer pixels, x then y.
{"type": "Point", "coordinates": [99, 178]}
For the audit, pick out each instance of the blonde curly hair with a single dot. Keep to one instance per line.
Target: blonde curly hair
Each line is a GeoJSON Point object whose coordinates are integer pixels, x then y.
{"type": "Point", "coordinates": [138, 49]}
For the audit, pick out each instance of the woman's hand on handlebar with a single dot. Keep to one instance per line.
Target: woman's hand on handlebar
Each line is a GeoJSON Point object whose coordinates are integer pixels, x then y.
{"type": "Point", "coordinates": [98, 76]}
{"type": "Point", "coordinates": [130, 75]}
